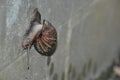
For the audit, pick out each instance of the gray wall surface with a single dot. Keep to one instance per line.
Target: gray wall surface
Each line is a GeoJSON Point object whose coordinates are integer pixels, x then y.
{"type": "Point", "coordinates": [88, 39]}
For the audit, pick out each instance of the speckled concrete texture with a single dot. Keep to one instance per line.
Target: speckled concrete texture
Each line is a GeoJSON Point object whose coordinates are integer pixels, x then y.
{"type": "Point", "coordinates": [88, 39]}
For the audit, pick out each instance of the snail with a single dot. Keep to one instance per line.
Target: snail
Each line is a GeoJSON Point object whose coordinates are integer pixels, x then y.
{"type": "Point", "coordinates": [43, 36]}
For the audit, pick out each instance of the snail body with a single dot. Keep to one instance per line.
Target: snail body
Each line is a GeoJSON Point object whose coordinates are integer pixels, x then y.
{"type": "Point", "coordinates": [29, 38]}
{"type": "Point", "coordinates": [42, 36]}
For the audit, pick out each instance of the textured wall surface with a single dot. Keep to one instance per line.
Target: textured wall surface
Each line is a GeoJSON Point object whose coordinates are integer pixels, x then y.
{"type": "Point", "coordinates": [88, 39]}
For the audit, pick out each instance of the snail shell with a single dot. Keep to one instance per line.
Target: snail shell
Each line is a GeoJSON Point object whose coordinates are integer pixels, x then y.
{"type": "Point", "coordinates": [46, 42]}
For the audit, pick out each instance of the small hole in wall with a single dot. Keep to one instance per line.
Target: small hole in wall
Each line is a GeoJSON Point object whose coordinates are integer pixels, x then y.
{"type": "Point", "coordinates": [73, 73]}
{"type": "Point", "coordinates": [79, 77]}
{"type": "Point", "coordinates": [63, 76]}
{"type": "Point", "coordinates": [51, 68]}
{"type": "Point", "coordinates": [70, 68]}
{"type": "Point", "coordinates": [55, 77]}
{"type": "Point", "coordinates": [48, 60]}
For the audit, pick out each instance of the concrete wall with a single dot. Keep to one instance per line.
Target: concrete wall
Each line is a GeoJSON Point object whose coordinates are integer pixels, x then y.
{"type": "Point", "coordinates": [88, 39]}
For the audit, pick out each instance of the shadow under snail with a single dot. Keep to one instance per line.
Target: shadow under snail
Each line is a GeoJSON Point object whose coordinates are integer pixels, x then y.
{"type": "Point", "coordinates": [42, 36]}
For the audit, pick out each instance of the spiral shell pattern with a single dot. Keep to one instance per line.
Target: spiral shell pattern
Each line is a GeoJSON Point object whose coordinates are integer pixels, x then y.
{"type": "Point", "coordinates": [46, 42]}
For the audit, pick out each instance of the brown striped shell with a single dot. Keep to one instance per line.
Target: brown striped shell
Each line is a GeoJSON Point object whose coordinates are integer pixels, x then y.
{"type": "Point", "coordinates": [46, 42]}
